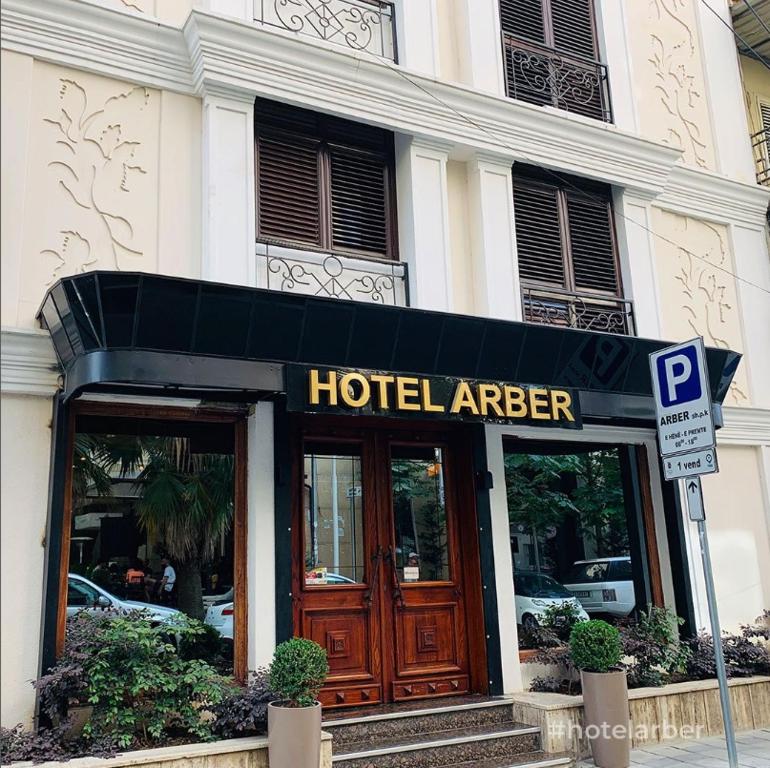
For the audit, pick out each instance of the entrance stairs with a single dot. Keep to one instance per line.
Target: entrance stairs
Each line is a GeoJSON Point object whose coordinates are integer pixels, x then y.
{"type": "Point", "coordinates": [461, 732]}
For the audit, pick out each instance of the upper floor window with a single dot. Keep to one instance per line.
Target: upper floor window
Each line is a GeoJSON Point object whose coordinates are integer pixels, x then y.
{"type": "Point", "coordinates": [362, 25]}
{"type": "Point", "coordinates": [568, 263]}
{"type": "Point", "coordinates": [552, 56]}
{"type": "Point", "coordinates": [324, 183]}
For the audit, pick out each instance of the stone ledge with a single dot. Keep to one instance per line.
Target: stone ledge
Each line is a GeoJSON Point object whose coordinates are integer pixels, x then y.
{"type": "Point", "coordinates": [189, 755]}
{"type": "Point", "coordinates": [552, 701]}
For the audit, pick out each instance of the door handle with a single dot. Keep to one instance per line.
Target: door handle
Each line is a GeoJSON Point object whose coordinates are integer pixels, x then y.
{"type": "Point", "coordinates": [398, 592]}
{"type": "Point", "coordinates": [376, 559]}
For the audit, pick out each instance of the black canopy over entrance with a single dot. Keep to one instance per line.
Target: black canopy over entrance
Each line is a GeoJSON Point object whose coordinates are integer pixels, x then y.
{"type": "Point", "coordinates": [138, 329]}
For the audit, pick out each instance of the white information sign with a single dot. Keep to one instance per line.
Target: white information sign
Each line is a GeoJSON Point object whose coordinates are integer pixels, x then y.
{"type": "Point", "coordinates": [682, 398]}
{"type": "Point", "coordinates": [690, 464]}
{"type": "Point", "coordinates": [695, 500]}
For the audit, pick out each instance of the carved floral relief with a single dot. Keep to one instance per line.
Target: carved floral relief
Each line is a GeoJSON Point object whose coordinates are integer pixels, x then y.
{"type": "Point", "coordinates": [673, 107]}
{"type": "Point", "coordinates": [698, 288]}
{"type": "Point", "coordinates": [92, 196]}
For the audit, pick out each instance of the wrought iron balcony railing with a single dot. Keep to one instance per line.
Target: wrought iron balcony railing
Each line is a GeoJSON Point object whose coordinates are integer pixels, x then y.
{"type": "Point", "coordinates": [543, 76]}
{"type": "Point", "coordinates": [363, 25]}
{"type": "Point", "coordinates": [585, 311]}
{"type": "Point", "coordinates": [333, 275]}
{"type": "Point", "coordinates": [760, 143]}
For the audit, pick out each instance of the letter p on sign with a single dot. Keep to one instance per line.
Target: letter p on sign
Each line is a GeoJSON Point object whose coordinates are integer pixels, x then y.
{"type": "Point", "coordinates": [678, 377]}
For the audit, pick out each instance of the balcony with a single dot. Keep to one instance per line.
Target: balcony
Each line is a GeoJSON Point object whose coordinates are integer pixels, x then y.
{"type": "Point", "coordinates": [543, 76]}
{"type": "Point", "coordinates": [361, 25]}
{"type": "Point", "coordinates": [586, 311]}
{"type": "Point", "coordinates": [760, 144]}
{"type": "Point", "coordinates": [332, 275]}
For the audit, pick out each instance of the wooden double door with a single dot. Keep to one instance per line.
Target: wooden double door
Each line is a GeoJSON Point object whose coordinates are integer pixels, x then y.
{"type": "Point", "coordinates": [385, 561]}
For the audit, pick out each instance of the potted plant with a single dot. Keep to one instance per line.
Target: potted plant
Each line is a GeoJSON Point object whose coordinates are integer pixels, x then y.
{"type": "Point", "coordinates": [596, 650]}
{"type": "Point", "coordinates": [297, 673]}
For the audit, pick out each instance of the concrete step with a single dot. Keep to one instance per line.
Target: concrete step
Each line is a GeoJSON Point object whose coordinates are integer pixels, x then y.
{"type": "Point", "coordinates": [437, 749]}
{"type": "Point", "coordinates": [415, 718]}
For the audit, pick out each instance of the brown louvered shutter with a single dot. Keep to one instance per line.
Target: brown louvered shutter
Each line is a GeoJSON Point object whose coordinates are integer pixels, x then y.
{"type": "Point", "coordinates": [572, 26]}
{"type": "Point", "coordinates": [359, 201]}
{"type": "Point", "coordinates": [592, 247]}
{"type": "Point", "coordinates": [538, 234]}
{"type": "Point", "coordinates": [523, 19]}
{"type": "Point", "coordinates": [288, 194]}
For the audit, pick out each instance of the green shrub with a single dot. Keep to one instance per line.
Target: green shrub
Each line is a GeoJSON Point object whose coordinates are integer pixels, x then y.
{"type": "Point", "coordinates": [595, 646]}
{"type": "Point", "coordinates": [298, 671]}
{"type": "Point", "coordinates": [653, 643]}
{"type": "Point", "coordinates": [142, 689]}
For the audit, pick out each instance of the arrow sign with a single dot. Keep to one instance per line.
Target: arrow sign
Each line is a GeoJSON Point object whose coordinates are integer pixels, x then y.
{"type": "Point", "coordinates": [695, 500]}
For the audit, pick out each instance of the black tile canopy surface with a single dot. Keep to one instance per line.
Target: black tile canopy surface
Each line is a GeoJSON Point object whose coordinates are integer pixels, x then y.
{"type": "Point", "coordinates": [140, 329]}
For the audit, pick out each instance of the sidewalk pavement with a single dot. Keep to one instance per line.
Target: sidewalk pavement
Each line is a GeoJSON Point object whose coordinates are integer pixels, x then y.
{"type": "Point", "coordinates": [753, 752]}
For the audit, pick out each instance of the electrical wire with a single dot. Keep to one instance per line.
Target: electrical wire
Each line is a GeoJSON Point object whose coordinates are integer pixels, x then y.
{"type": "Point", "coordinates": [757, 16]}
{"type": "Point", "coordinates": [394, 68]}
{"type": "Point", "coordinates": [743, 40]}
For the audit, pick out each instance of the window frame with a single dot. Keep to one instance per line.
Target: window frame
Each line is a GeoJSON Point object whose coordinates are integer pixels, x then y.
{"type": "Point", "coordinates": [325, 147]}
{"type": "Point", "coordinates": [562, 190]}
{"type": "Point", "coordinates": [238, 420]}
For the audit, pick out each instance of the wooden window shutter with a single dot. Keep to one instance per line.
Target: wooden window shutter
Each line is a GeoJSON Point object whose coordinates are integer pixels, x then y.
{"type": "Point", "coordinates": [592, 245]}
{"type": "Point", "coordinates": [538, 234]}
{"type": "Point", "coordinates": [359, 204]}
{"type": "Point", "coordinates": [764, 112]}
{"type": "Point", "coordinates": [288, 194]}
{"type": "Point", "coordinates": [572, 26]}
{"type": "Point", "coordinates": [523, 19]}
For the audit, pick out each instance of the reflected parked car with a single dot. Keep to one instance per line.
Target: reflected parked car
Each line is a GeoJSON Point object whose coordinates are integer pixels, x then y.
{"type": "Point", "coordinates": [219, 614]}
{"type": "Point", "coordinates": [535, 593]}
{"type": "Point", "coordinates": [604, 585]}
{"type": "Point", "coordinates": [84, 595]}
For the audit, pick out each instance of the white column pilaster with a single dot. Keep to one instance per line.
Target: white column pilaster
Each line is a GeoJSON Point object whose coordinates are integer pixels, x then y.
{"type": "Point", "coordinates": [615, 52]}
{"type": "Point", "coordinates": [228, 189]}
{"type": "Point", "coordinates": [752, 267]}
{"type": "Point", "coordinates": [493, 241]}
{"type": "Point", "coordinates": [501, 546]}
{"type": "Point", "coordinates": [481, 57]}
{"type": "Point", "coordinates": [417, 36]}
{"type": "Point", "coordinates": [423, 218]}
{"type": "Point", "coordinates": [239, 9]}
{"type": "Point", "coordinates": [638, 270]}
{"type": "Point", "coordinates": [724, 87]}
{"type": "Point", "coordinates": [261, 536]}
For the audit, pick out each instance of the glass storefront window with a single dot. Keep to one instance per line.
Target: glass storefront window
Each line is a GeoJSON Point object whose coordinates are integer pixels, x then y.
{"type": "Point", "coordinates": [333, 512]}
{"type": "Point", "coordinates": [419, 510]}
{"type": "Point", "coordinates": [569, 538]}
{"type": "Point", "coordinates": [152, 523]}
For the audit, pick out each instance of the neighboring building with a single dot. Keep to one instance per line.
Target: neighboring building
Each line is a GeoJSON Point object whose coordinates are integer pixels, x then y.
{"type": "Point", "coordinates": [478, 217]}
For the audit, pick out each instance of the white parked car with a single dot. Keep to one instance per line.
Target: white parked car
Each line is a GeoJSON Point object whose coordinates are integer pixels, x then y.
{"type": "Point", "coordinates": [535, 593]}
{"type": "Point", "coordinates": [84, 595]}
{"type": "Point", "coordinates": [604, 585]}
{"type": "Point", "coordinates": [220, 616]}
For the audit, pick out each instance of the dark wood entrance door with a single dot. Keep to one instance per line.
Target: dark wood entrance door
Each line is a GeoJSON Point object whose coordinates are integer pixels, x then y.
{"type": "Point", "coordinates": [385, 561]}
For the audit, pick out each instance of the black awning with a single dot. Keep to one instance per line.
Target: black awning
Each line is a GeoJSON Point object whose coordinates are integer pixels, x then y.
{"type": "Point", "coordinates": [140, 329]}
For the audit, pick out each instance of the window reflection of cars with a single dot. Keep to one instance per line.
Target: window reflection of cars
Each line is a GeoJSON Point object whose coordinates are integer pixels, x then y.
{"type": "Point", "coordinates": [84, 595]}
{"type": "Point", "coordinates": [603, 585]}
{"type": "Point", "coordinates": [535, 593]}
{"type": "Point", "coordinates": [219, 614]}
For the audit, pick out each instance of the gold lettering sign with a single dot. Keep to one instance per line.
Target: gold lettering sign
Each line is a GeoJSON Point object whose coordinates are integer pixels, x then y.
{"type": "Point", "coordinates": [394, 394]}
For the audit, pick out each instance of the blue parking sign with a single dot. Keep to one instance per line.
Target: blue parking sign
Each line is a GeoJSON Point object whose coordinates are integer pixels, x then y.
{"type": "Point", "coordinates": [683, 407]}
{"type": "Point", "coordinates": [679, 379]}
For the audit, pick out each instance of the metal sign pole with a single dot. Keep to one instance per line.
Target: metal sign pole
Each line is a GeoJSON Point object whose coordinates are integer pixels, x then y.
{"type": "Point", "coordinates": [716, 634]}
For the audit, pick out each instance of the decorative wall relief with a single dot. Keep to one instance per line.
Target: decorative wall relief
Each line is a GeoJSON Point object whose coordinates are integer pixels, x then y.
{"type": "Point", "coordinates": [669, 77]}
{"type": "Point", "coordinates": [96, 157]}
{"type": "Point", "coordinates": [92, 196]}
{"type": "Point", "coordinates": [698, 289]}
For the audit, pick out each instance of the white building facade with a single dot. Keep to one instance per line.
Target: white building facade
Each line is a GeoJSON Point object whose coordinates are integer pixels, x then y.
{"type": "Point", "coordinates": [137, 138]}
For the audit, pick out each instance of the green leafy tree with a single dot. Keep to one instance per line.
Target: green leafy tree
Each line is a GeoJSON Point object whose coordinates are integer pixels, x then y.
{"type": "Point", "coordinates": [537, 500]}
{"type": "Point", "coordinates": [186, 501]}
{"type": "Point", "coordinates": [599, 501]}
